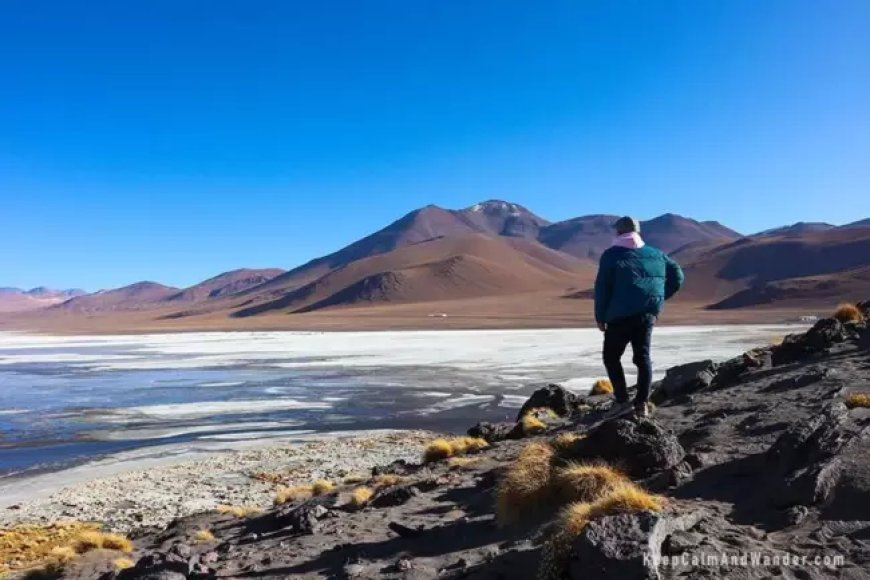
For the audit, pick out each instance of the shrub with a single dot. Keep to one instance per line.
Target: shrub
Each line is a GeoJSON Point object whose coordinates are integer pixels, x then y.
{"type": "Point", "coordinates": [88, 540]}
{"type": "Point", "coordinates": [354, 479]}
{"type": "Point", "coordinates": [240, 511]}
{"type": "Point", "coordinates": [123, 563]}
{"type": "Point", "coordinates": [602, 387]}
{"type": "Point", "coordinates": [462, 445]}
{"type": "Point", "coordinates": [437, 450]}
{"type": "Point", "coordinates": [586, 482]}
{"type": "Point", "coordinates": [117, 542]}
{"type": "Point", "coordinates": [462, 462]}
{"type": "Point", "coordinates": [203, 536]}
{"type": "Point", "coordinates": [625, 497]}
{"type": "Point", "coordinates": [856, 400]}
{"type": "Point", "coordinates": [287, 494]}
{"type": "Point", "coordinates": [322, 487]}
{"type": "Point", "coordinates": [848, 313]}
{"type": "Point", "coordinates": [531, 425]}
{"type": "Point", "coordinates": [524, 488]}
{"type": "Point", "coordinates": [360, 496]}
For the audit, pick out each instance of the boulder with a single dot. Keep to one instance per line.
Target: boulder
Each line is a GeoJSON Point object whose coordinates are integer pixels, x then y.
{"type": "Point", "coordinates": [397, 467]}
{"type": "Point", "coordinates": [644, 448]}
{"type": "Point", "coordinates": [491, 432]}
{"type": "Point", "coordinates": [554, 397]}
{"type": "Point", "coordinates": [158, 566]}
{"type": "Point", "coordinates": [298, 519]}
{"type": "Point", "coordinates": [624, 545]}
{"type": "Point", "coordinates": [822, 336]}
{"type": "Point", "coordinates": [393, 496]}
{"type": "Point", "coordinates": [685, 379]}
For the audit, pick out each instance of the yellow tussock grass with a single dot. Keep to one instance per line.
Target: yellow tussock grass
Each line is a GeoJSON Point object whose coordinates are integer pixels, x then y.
{"type": "Point", "coordinates": [602, 387]}
{"type": "Point", "coordinates": [524, 488]}
{"type": "Point", "coordinates": [848, 313]}
{"type": "Point", "coordinates": [442, 448]}
{"type": "Point", "coordinates": [322, 487]}
{"type": "Point", "coordinates": [123, 563]}
{"type": "Point", "coordinates": [564, 441]}
{"type": "Point", "coordinates": [532, 425]}
{"type": "Point", "coordinates": [25, 546]}
{"type": "Point", "coordinates": [239, 511]}
{"type": "Point", "coordinates": [586, 482]}
{"type": "Point", "coordinates": [203, 536]}
{"type": "Point", "coordinates": [360, 496]}
{"type": "Point", "coordinates": [386, 480]}
{"type": "Point", "coordinates": [856, 400]}
{"type": "Point", "coordinates": [286, 494]}
{"type": "Point", "coordinates": [354, 479]}
{"type": "Point", "coordinates": [95, 540]}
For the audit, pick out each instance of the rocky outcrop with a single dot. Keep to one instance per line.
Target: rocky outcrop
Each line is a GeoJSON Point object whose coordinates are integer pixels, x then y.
{"type": "Point", "coordinates": [625, 545]}
{"type": "Point", "coordinates": [492, 432]}
{"type": "Point", "coordinates": [555, 397]}
{"type": "Point", "coordinates": [685, 379]}
{"type": "Point", "coordinates": [642, 448]}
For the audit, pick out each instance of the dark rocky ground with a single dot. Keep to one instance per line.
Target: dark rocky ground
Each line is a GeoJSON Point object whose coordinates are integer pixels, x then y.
{"type": "Point", "coordinates": [759, 455]}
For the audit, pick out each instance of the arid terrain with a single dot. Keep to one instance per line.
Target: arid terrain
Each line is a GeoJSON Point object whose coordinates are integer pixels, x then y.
{"type": "Point", "coordinates": [752, 468]}
{"type": "Point", "coordinates": [492, 265]}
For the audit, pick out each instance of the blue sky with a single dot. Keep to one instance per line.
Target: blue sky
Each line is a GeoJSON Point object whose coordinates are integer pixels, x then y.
{"type": "Point", "coordinates": [173, 140]}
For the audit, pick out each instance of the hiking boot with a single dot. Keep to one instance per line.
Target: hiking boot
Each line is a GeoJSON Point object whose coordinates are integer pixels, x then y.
{"type": "Point", "coordinates": [618, 409]}
{"type": "Point", "coordinates": [641, 410]}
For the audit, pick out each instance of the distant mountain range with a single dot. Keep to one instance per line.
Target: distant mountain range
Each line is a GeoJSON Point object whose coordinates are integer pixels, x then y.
{"type": "Point", "coordinates": [498, 249]}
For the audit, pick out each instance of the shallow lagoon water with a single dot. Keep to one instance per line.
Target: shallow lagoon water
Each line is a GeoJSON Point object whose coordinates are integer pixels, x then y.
{"type": "Point", "coordinates": [66, 400]}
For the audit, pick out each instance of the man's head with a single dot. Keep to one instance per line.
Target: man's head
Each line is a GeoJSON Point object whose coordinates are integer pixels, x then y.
{"type": "Point", "coordinates": [625, 225]}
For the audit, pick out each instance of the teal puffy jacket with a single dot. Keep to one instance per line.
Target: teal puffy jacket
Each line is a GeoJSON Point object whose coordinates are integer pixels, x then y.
{"type": "Point", "coordinates": [634, 281]}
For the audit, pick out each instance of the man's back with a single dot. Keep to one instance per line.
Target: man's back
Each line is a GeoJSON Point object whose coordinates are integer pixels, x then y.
{"type": "Point", "coordinates": [634, 281]}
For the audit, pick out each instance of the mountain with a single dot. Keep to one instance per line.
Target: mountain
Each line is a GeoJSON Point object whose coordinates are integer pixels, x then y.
{"type": "Point", "coordinates": [226, 284]}
{"type": "Point", "coordinates": [589, 236]}
{"type": "Point", "coordinates": [503, 219]}
{"type": "Point", "coordinates": [797, 229]}
{"type": "Point", "coordinates": [816, 265]}
{"type": "Point", "coordinates": [19, 300]}
{"type": "Point", "coordinates": [858, 224]}
{"type": "Point", "coordinates": [136, 296]}
{"type": "Point", "coordinates": [443, 268]}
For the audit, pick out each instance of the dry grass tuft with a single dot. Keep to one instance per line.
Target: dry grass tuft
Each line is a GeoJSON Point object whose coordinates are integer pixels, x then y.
{"type": "Point", "coordinates": [203, 536]}
{"type": "Point", "coordinates": [437, 450]}
{"type": "Point", "coordinates": [624, 497]}
{"type": "Point", "coordinates": [94, 540]}
{"type": "Point", "coordinates": [286, 494]}
{"type": "Point", "coordinates": [524, 490]}
{"type": "Point", "coordinates": [360, 496]}
{"type": "Point", "coordinates": [386, 480]}
{"type": "Point", "coordinates": [25, 546]}
{"type": "Point", "coordinates": [848, 313]}
{"type": "Point", "coordinates": [586, 482]}
{"type": "Point", "coordinates": [355, 479]}
{"type": "Point", "coordinates": [602, 387]}
{"type": "Point", "coordinates": [123, 563]}
{"type": "Point", "coordinates": [322, 487]}
{"type": "Point", "coordinates": [441, 448]}
{"type": "Point", "coordinates": [531, 425]}
{"type": "Point", "coordinates": [856, 400]}
{"type": "Point", "coordinates": [565, 441]}
{"type": "Point", "coordinates": [240, 511]}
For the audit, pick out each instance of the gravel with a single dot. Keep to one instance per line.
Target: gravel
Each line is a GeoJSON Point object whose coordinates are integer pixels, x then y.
{"type": "Point", "coordinates": [154, 497]}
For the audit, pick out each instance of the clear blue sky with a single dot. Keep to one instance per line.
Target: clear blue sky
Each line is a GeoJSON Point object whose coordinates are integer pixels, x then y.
{"type": "Point", "coordinates": [173, 140]}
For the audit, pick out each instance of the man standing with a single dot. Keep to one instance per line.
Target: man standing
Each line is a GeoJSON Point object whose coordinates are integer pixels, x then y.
{"type": "Point", "coordinates": [633, 282]}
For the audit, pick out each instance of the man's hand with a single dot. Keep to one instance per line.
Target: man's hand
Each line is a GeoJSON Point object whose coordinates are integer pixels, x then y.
{"type": "Point", "coordinates": [602, 326]}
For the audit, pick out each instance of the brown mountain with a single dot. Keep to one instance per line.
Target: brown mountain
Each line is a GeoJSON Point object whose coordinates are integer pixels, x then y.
{"type": "Point", "coordinates": [759, 270]}
{"type": "Point", "coordinates": [443, 268]}
{"type": "Point", "coordinates": [138, 296]}
{"type": "Point", "coordinates": [226, 284]}
{"type": "Point", "coordinates": [589, 236]}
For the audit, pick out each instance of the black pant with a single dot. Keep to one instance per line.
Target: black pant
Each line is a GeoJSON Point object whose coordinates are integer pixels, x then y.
{"type": "Point", "coordinates": [636, 330]}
